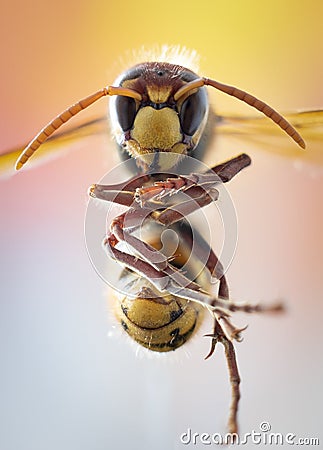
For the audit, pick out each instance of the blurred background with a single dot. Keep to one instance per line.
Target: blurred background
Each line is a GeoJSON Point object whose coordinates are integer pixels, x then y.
{"type": "Point", "coordinates": [68, 378]}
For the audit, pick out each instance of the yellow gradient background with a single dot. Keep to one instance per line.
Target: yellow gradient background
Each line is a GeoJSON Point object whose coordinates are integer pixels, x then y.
{"type": "Point", "coordinates": [65, 383]}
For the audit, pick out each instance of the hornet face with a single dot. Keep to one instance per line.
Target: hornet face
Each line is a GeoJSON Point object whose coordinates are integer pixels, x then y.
{"type": "Point", "coordinates": [158, 122]}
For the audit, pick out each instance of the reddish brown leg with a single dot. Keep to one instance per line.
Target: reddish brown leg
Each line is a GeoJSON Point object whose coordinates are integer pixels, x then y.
{"type": "Point", "coordinates": [198, 197]}
{"type": "Point", "coordinates": [146, 251]}
{"type": "Point", "coordinates": [226, 335]}
{"type": "Point", "coordinates": [170, 280]}
{"type": "Point", "coordinates": [219, 335]}
{"type": "Point", "coordinates": [161, 273]}
{"type": "Point", "coordinates": [135, 218]}
{"type": "Point", "coordinates": [217, 330]}
{"type": "Point", "coordinates": [206, 181]}
{"type": "Point", "coordinates": [122, 193]}
{"type": "Point", "coordinates": [122, 227]}
{"type": "Point", "coordinates": [234, 381]}
{"type": "Point", "coordinates": [178, 284]}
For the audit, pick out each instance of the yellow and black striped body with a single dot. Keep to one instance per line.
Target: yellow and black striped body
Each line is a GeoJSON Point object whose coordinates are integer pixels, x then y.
{"type": "Point", "coordinates": [158, 320]}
